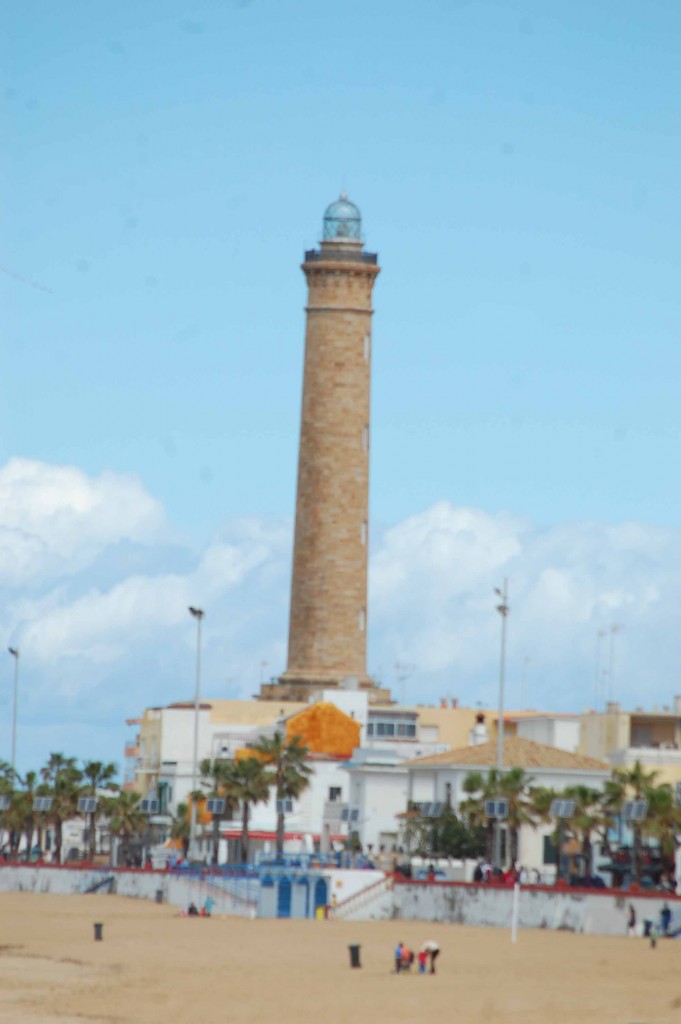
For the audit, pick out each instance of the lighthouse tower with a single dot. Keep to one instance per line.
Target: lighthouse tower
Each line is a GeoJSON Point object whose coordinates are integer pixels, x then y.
{"type": "Point", "coordinates": [328, 616]}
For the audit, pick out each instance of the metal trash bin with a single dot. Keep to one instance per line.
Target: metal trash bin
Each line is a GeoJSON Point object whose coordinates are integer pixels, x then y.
{"type": "Point", "coordinates": [354, 956]}
{"type": "Point", "coordinates": [98, 932]}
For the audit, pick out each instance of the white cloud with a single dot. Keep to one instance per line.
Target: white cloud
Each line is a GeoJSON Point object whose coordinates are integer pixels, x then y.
{"type": "Point", "coordinates": [56, 519]}
{"type": "Point", "coordinates": [91, 626]}
{"type": "Point", "coordinates": [433, 605]}
{"type": "Point", "coordinates": [102, 626]}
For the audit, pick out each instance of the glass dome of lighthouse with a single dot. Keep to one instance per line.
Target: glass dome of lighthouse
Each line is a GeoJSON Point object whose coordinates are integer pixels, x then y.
{"type": "Point", "coordinates": [342, 221]}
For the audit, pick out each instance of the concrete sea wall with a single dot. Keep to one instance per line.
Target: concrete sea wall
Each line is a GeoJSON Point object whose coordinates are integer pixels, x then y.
{"type": "Point", "coordinates": [595, 912]}
{"type": "Point", "coordinates": [147, 885]}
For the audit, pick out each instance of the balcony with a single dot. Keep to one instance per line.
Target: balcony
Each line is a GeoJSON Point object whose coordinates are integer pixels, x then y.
{"type": "Point", "coordinates": [332, 810]}
{"type": "Point", "coordinates": [131, 750]}
{"type": "Point", "coordinates": [653, 756]}
{"type": "Point", "coordinates": [341, 256]}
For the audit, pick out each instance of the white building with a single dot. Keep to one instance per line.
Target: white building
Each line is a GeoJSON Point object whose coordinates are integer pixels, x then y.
{"type": "Point", "coordinates": [379, 785]}
{"type": "Point", "coordinates": [441, 778]}
{"type": "Point", "coordinates": [553, 730]}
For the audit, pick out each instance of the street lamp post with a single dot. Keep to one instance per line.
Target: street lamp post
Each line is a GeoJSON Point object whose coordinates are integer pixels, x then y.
{"type": "Point", "coordinates": [198, 614]}
{"type": "Point", "coordinates": [503, 609]}
{"type": "Point", "coordinates": [611, 675]}
{"type": "Point", "coordinates": [14, 651]}
{"type": "Point", "coordinates": [600, 637]}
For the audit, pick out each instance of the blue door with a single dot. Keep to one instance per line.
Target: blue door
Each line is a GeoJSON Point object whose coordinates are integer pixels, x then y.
{"type": "Point", "coordinates": [284, 897]}
{"type": "Point", "coordinates": [321, 893]}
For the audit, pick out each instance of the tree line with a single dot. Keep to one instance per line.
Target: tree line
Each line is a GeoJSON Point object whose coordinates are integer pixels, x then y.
{"type": "Point", "coordinates": [275, 764]}
{"type": "Point", "coordinates": [272, 763]}
{"type": "Point", "coordinates": [596, 814]}
{"type": "Point", "coordinates": [64, 782]}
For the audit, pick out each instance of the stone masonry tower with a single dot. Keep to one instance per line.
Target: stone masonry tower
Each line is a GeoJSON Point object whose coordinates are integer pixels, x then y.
{"type": "Point", "coordinates": [328, 618]}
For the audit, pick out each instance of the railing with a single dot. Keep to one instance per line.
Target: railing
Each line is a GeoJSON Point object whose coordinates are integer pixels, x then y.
{"type": "Point", "coordinates": [340, 256]}
{"type": "Point", "coordinates": [343, 859]}
{"type": "Point", "coordinates": [363, 896]}
{"type": "Point", "coordinates": [648, 754]}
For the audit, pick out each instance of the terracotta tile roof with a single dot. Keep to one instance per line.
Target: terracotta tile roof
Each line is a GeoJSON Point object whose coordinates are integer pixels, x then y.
{"type": "Point", "coordinates": [518, 753]}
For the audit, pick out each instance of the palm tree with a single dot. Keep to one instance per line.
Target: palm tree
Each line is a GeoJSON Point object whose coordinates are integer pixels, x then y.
{"type": "Point", "coordinates": [640, 784]}
{"type": "Point", "coordinates": [664, 823]}
{"type": "Point", "coordinates": [588, 817]}
{"type": "Point", "coordinates": [480, 786]}
{"type": "Point", "coordinates": [126, 819]}
{"type": "Point", "coordinates": [96, 775]}
{"type": "Point", "coordinates": [180, 828]}
{"type": "Point", "coordinates": [10, 817]}
{"type": "Point", "coordinates": [614, 795]}
{"type": "Point", "coordinates": [250, 785]}
{"type": "Point", "coordinates": [62, 781]}
{"type": "Point", "coordinates": [289, 773]}
{"type": "Point", "coordinates": [542, 797]}
{"type": "Point", "coordinates": [218, 777]}
{"type": "Point", "coordinates": [515, 786]}
{"type": "Point", "coordinates": [30, 783]}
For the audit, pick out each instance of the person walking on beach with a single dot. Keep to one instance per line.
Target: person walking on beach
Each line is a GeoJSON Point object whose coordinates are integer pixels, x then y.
{"type": "Point", "coordinates": [398, 957]}
{"type": "Point", "coordinates": [433, 950]}
{"type": "Point", "coordinates": [631, 922]}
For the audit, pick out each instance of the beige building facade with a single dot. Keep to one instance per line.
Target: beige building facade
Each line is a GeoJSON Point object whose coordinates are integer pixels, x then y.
{"type": "Point", "coordinates": [652, 737]}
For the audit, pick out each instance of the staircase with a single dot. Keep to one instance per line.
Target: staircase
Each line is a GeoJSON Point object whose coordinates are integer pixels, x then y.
{"type": "Point", "coordinates": [373, 903]}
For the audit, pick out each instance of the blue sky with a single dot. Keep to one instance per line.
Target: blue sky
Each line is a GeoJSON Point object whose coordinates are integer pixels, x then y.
{"type": "Point", "coordinates": [166, 165]}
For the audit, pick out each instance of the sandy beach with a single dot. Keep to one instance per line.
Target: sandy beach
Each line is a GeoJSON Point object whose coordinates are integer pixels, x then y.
{"type": "Point", "coordinates": [154, 966]}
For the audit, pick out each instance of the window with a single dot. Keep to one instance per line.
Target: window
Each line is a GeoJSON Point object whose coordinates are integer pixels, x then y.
{"type": "Point", "coordinates": [407, 729]}
{"type": "Point", "coordinates": [362, 620]}
{"type": "Point", "coordinates": [363, 532]}
{"type": "Point", "coordinates": [550, 851]}
{"type": "Point", "coordinates": [367, 347]}
{"type": "Point", "coordinates": [334, 793]}
{"type": "Point", "coordinates": [365, 438]}
{"type": "Point", "coordinates": [448, 794]}
{"type": "Point", "coordinates": [387, 726]}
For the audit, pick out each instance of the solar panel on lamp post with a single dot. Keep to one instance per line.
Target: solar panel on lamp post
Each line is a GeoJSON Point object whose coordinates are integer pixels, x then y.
{"type": "Point", "coordinates": [634, 812]}
{"type": "Point", "coordinates": [503, 609]}
{"type": "Point", "coordinates": [198, 614]}
{"type": "Point", "coordinates": [14, 651]}
{"type": "Point", "coordinates": [561, 809]}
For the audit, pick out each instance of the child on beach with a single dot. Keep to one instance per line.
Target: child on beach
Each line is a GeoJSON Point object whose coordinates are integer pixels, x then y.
{"type": "Point", "coordinates": [407, 959]}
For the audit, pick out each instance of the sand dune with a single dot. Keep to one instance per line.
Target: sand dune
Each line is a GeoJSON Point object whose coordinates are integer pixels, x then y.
{"type": "Point", "coordinates": [155, 967]}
